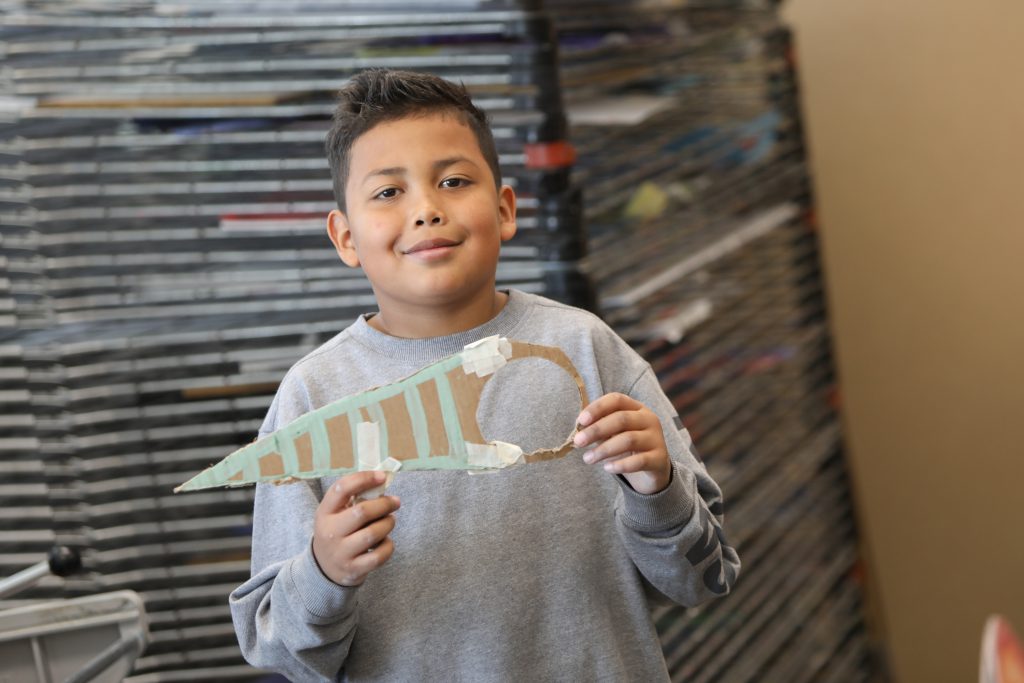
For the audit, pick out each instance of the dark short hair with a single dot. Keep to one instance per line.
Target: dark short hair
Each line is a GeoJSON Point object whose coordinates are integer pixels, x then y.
{"type": "Point", "coordinates": [379, 95]}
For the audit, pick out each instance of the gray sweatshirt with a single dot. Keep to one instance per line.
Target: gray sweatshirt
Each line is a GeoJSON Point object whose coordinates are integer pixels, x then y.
{"type": "Point", "coordinates": [540, 572]}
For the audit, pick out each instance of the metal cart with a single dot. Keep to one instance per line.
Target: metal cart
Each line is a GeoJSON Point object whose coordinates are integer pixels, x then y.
{"type": "Point", "coordinates": [93, 638]}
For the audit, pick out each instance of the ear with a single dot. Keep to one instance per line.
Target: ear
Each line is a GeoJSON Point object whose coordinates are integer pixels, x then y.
{"type": "Point", "coordinates": [340, 232]}
{"type": "Point", "coordinates": [506, 213]}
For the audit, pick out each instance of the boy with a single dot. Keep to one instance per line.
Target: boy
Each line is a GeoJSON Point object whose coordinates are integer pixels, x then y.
{"type": "Point", "coordinates": [536, 573]}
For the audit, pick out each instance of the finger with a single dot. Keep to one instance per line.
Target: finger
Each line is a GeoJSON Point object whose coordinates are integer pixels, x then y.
{"type": "Point", "coordinates": [359, 567]}
{"type": "Point", "coordinates": [342, 491]}
{"type": "Point", "coordinates": [350, 520]}
{"type": "Point", "coordinates": [610, 425]}
{"type": "Point", "coordinates": [367, 538]}
{"type": "Point", "coordinates": [621, 444]}
{"type": "Point", "coordinates": [605, 405]}
{"type": "Point", "coordinates": [630, 463]}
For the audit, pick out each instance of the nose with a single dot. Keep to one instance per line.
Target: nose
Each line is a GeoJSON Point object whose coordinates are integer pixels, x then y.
{"type": "Point", "coordinates": [429, 216]}
{"type": "Point", "coordinates": [429, 211]}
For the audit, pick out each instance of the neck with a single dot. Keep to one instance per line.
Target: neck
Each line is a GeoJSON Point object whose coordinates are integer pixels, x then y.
{"type": "Point", "coordinates": [421, 322]}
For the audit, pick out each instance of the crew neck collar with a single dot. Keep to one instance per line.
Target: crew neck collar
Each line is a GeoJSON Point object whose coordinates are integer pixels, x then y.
{"type": "Point", "coordinates": [433, 348]}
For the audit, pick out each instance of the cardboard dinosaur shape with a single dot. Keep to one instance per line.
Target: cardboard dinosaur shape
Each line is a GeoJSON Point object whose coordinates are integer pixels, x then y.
{"type": "Point", "coordinates": [426, 421]}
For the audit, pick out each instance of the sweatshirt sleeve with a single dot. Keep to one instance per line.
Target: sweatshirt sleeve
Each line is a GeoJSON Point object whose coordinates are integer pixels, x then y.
{"type": "Point", "coordinates": [289, 617]}
{"type": "Point", "coordinates": [675, 537]}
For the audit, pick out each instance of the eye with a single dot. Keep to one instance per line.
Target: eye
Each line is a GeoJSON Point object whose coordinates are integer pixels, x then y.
{"type": "Point", "coordinates": [455, 182]}
{"type": "Point", "coordinates": [387, 193]}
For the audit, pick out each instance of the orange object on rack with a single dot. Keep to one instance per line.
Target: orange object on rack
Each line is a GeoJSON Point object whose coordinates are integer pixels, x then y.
{"type": "Point", "coordinates": [557, 154]}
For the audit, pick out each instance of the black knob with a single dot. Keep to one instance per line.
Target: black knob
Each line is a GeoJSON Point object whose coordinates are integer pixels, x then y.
{"type": "Point", "coordinates": [64, 561]}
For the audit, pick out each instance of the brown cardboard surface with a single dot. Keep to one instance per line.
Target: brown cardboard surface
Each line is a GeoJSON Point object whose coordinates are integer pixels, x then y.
{"type": "Point", "coordinates": [432, 408]}
{"type": "Point", "coordinates": [448, 392]}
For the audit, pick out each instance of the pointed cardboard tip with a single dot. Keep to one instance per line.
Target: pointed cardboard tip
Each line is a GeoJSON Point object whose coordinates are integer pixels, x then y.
{"type": "Point", "coordinates": [201, 481]}
{"type": "Point", "coordinates": [189, 485]}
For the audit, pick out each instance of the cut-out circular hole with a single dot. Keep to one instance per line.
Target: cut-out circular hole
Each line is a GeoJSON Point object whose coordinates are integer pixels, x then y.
{"type": "Point", "coordinates": [531, 402]}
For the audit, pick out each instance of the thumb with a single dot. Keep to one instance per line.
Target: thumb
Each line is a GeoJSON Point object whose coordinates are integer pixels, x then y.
{"type": "Point", "coordinates": [345, 489]}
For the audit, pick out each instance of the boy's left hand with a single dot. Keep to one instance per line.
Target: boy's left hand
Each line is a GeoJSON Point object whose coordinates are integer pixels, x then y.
{"type": "Point", "coordinates": [630, 441]}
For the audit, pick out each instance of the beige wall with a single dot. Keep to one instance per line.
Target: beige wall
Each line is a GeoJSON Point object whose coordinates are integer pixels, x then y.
{"type": "Point", "coordinates": [915, 115]}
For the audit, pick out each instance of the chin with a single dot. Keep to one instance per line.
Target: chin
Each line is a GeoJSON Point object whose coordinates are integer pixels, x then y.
{"type": "Point", "coordinates": [447, 295]}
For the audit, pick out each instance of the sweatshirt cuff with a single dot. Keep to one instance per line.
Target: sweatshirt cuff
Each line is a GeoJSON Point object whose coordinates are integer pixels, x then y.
{"type": "Point", "coordinates": [658, 512]}
{"type": "Point", "coordinates": [325, 601]}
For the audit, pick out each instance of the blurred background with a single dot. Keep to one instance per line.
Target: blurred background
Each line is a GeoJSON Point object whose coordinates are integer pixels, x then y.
{"type": "Point", "coordinates": [805, 215]}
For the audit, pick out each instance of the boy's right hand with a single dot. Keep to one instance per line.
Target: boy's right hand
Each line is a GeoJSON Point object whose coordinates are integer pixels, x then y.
{"type": "Point", "coordinates": [350, 539]}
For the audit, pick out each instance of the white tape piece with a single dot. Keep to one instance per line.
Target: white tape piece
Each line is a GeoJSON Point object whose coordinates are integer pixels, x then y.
{"type": "Point", "coordinates": [482, 455]}
{"type": "Point", "coordinates": [390, 466]}
{"type": "Point", "coordinates": [368, 444]}
{"type": "Point", "coordinates": [494, 455]}
{"type": "Point", "coordinates": [484, 356]}
{"type": "Point", "coordinates": [509, 453]}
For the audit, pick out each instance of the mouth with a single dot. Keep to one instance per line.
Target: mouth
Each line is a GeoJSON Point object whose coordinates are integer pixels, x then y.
{"type": "Point", "coordinates": [428, 245]}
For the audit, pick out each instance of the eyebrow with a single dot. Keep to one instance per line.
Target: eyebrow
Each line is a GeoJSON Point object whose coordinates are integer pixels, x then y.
{"type": "Point", "coordinates": [438, 165]}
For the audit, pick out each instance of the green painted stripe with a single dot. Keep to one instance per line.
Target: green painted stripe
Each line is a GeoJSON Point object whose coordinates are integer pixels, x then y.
{"type": "Point", "coordinates": [456, 444]}
{"type": "Point", "coordinates": [251, 465]}
{"type": "Point", "coordinates": [283, 441]}
{"type": "Point", "coordinates": [289, 454]}
{"type": "Point", "coordinates": [321, 448]}
{"type": "Point", "coordinates": [321, 441]}
{"type": "Point", "coordinates": [418, 417]}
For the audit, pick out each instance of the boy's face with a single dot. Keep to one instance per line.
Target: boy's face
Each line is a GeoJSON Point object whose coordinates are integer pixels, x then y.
{"type": "Point", "coordinates": [422, 215]}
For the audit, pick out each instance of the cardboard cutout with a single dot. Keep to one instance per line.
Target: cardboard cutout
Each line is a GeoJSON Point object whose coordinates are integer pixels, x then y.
{"type": "Point", "coordinates": [426, 421]}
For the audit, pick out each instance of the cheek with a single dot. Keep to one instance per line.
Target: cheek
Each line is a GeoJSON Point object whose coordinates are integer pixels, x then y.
{"type": "Point", "coordinates": [485, 220]}
{"type": "Point", "coordinates": [378, 235]}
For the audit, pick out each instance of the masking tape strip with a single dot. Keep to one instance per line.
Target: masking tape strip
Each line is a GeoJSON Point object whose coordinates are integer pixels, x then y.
{"type": "Point", "coordinates": [494, 455]}
{"type": "Point", "coordinates": [484, 356]}
{"type": "Point", "coordinates": [509, 453]}
{"type": "Point", "coordinates": [377, 414]}
{"type": "Point", "coordinates": [482, 455]}
{"type": "Point", "coordinates": [368, 440]}
{"type": "Point", "coordinates": [390, 465]}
